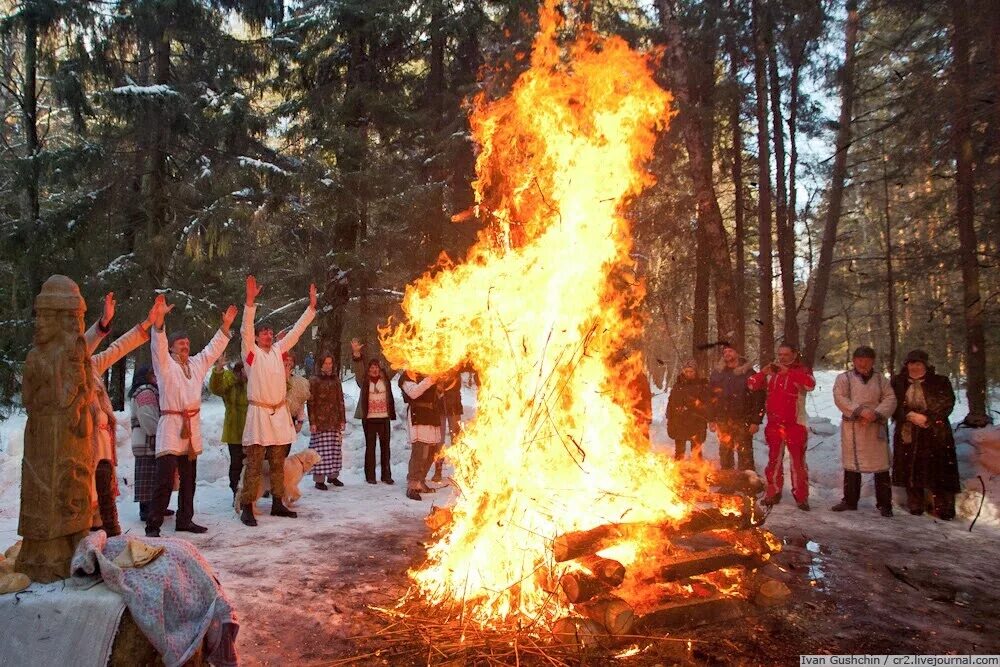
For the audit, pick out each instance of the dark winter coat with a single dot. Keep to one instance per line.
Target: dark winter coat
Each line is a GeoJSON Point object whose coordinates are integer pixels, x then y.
{"type": "Point", "coordinates": [361, 377]}
{"type": "Point", "coordinates": [452, 398]}
{"type": "Point", "coordinates": [731, 398]}
{"type": "Point", "coordinates": [930, 460]}
{"type": "Point", "coordinates": [326, 403]}
{"type": "Point", "coordinates": [427, 409]}
{"type": "Point", "coordinates": [687, 415]}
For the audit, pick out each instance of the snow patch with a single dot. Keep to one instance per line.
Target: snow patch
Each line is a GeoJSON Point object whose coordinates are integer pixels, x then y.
{"type": "Point", "coordinates": [157, 90]}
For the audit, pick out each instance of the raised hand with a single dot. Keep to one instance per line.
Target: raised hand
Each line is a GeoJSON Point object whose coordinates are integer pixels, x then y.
{"type": "Point", "coordinates": [109, 309]}
{"type": "Point", "coordinates": [228, 317]}
{"type": "Point", "coordinates": [253, 290]}
{"type": "Point", "coordinates": [312, 296]}
{"type": "Point", "coordinates": [356, 347]}
{"type": "Point", "coordinates": [159, 311]}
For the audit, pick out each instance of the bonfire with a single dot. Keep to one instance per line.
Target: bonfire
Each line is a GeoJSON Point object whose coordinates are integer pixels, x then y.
{"type": "Point", "coordinates": [566, 518]}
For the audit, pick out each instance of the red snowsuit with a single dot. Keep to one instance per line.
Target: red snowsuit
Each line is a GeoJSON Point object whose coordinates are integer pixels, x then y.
{"type": "Point", "coordinates": [786, 426]}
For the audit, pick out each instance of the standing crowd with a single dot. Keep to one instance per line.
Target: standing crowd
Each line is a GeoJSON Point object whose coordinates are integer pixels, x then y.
{"type": "Point", "coordinates": [913, 405]}
{"type": "Point", "coordinates": [267, 406]}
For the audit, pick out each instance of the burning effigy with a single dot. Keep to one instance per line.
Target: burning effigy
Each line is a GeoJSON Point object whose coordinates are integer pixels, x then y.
{"type": "Point", "coordinates": [565, 513]}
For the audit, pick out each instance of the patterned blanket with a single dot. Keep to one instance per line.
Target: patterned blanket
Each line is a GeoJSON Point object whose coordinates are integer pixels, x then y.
{"type": "Point", "coordinates": [175, 600]}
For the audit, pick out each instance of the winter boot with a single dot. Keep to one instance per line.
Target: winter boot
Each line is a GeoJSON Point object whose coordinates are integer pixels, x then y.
{"type": "Point", "coordinates": [247, 517]}
{"type": "Point", "coordinates": [915, 500]}
{"type": "Point", "coordinates": [335, 481]}
{"type": "Point", "coordinates": [438, 469]}
{"type": "Point", "coordinates": [413, 494]}
{"type": "Point", "coordinates": [322, 487]}
{"type": "Point", "coordinates": [278, 509]}
{"type": "Point", "coordinates": [944, 505]}
{"type": "Point", "coordinates": [852, 492]}
{"type": "Point", "coordinates": [190, 527]}
{"type": "Point", "coordinates": [804, 506]}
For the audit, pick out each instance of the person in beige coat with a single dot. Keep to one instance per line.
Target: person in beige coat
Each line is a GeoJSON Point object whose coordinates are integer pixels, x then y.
{"type": "Point", "coordinates": [866, 400]}
{"type": "Point", "coordinates": [105, 453]}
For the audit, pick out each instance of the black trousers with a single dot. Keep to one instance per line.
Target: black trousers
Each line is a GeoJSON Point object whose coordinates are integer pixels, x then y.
{"type": "Point", "coordinates": [735, 442]}
{"type": "Point", "coordinates": [376, 429]}
{"type": "Point", "coordinates": [167, 466]}
{"type": "Point", "coordinates": [852, 489]}
{"type": "Point", "coordinates": [680, 447]}
{"type": "Point", "coordinates": [235, 465]}
{"type": "Point", "coordinates": [104, 478]}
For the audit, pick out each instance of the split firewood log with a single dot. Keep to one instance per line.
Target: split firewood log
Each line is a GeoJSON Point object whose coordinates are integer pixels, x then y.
{"type": "Point", "coordinates": [596, 577]}
{"type": "Point", "coordinates": [586, 542]}
{"type": "Point", "coordinates": [614, 614]}
{"type": "Point", "coordinates": [701, 562]}
{"type": "Point", "coordinates": [579, 632]}
{"type": "Point", "coordinates": [580, 586]}
{"type": "Point", "coordinates": [695, 611]}
{"type": "Point", "coordinates": [607, 570]}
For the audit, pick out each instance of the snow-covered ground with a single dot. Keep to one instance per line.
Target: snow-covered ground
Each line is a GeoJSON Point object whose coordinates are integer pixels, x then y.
{"type": "Point", "coordinates": [351, 546]}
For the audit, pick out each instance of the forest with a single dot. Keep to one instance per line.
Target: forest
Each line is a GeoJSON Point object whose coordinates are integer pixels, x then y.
{"type": "Point", "coordinates": [831, 177]}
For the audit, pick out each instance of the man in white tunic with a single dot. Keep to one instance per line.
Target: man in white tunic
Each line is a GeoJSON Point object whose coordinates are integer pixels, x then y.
{"type": "Point", "coordinates": [269, 432]}
{"type": "Point", "coordinates": [181, 378]}
{"type": "Point", "coordinates": [866, 400]}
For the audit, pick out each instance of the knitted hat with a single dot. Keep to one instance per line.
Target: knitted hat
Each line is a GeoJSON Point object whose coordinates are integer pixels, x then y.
{"type": "Point", "coordinates": [916, 356]}
{"type": "Point", "coordinates": [60, 293]}
{"type": "Point", "coordinates": [864, 352]}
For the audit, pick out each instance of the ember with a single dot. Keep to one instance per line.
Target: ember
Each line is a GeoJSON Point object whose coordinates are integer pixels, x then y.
{"type": "Point", "coordinates": [559, 488]}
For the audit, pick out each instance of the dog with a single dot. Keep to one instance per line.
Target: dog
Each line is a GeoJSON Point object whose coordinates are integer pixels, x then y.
{"type": "Point", "coordinates": [296, 467]}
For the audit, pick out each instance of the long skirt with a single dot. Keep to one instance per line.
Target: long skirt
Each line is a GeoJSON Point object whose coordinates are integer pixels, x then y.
{"type": "Point", "coordinates": [145, 478]}
{"type": "Point", "coordinates": [328, 444]}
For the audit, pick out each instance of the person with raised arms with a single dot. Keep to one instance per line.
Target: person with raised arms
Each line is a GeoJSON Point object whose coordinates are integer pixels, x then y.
{"type": "Point", "coordinates": [269, 432]}
{"type": "Point", "coordinates": [181, 379]}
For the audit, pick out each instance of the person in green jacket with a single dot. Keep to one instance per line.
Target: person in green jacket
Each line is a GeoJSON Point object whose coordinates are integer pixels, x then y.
{"type": "Point", "coordinates": [231, 385]}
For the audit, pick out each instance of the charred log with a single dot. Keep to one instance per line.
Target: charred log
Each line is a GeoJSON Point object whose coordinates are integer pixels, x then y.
{"type": "Point", "coordinates": [692, 612]}
{"type": "Point", "coordinates": [692, 564]}
{"type": "Point", "coordinates": [586, 542]}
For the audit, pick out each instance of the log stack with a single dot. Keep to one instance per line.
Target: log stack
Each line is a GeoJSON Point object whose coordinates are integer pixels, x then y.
{"type": "Point", "coordinates": [707, 541]}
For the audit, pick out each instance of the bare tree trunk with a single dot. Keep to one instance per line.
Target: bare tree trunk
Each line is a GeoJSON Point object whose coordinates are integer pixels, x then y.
{"type": "Point", "coordinates": [702, 286]}
{"type": "Point", "coordinates": [30, 175]}
{"type": "Point", "coordinates": [975, 339]}
{"type": "Point", "coordinates": [764, 256]}
{"type": "Point", "coordinates": [700, 162]}
{"type": "Point", "coordinates": [890, 278]}
{"type": "Point", "coordinates": [786, 239]}
{"type": "Point", "coordinates": [793, 157]}
{"type": "Point", "coordinates": [821, 278]}
{"type": "Point", "coordinates": [160, 247]}
{"type": "Point", "coordinates": [739, 205]}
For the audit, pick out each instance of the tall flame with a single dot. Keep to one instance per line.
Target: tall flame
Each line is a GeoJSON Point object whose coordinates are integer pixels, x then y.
{"type": "Point", "coordinates": [545, 307]}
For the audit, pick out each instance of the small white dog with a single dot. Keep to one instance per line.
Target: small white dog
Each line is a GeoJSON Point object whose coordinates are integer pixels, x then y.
{"type": "Point", "coordinates": [296, 467]}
